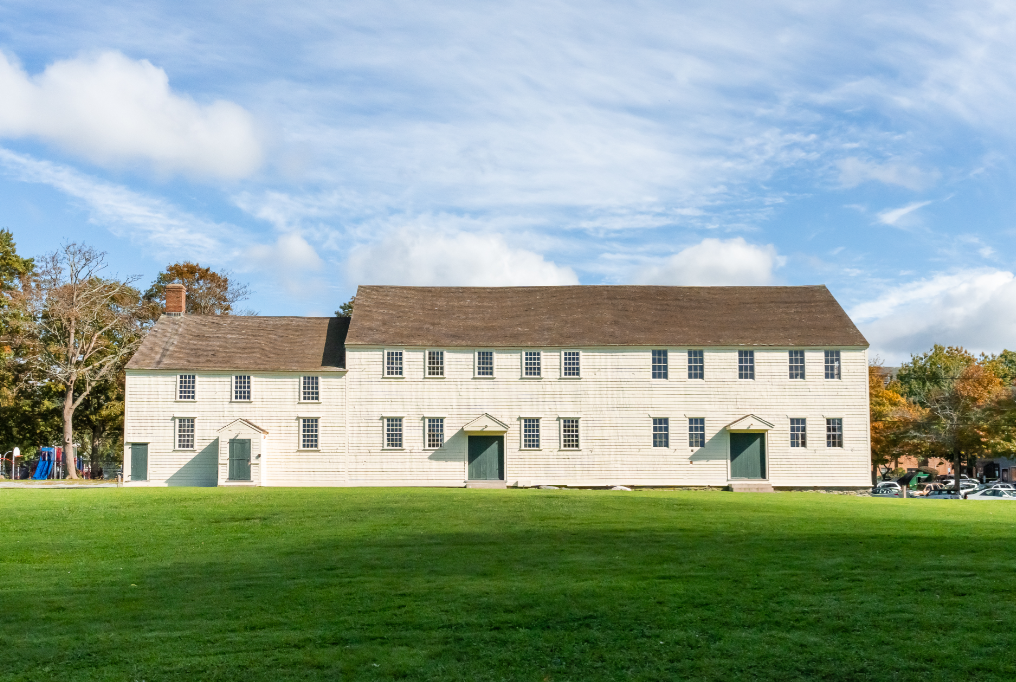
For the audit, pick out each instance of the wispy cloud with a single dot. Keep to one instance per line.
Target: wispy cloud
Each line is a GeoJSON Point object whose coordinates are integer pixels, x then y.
{"type": "Point", "coordinates": [895, 215]}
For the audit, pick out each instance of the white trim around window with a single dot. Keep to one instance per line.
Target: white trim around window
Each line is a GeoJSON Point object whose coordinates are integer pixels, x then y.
{"type": "Point", "coordinates": [569, 433]}
{"type": "Point", "coordinates": [434, 436]}
{"type": "Point", "coordinates": [532, 364]}
{"type": "Point", "coordinates": [484, 364]}
{"type": "Point", "coordinates": [530, 437]}
{"type": "Point", "coordinates": [309, 391]}
{"type": "Point", "coordinates": [308, 433]}
{"type": "Point", "coordinates": [393, 432]}
{"type": "Point", "coordinates": [571, 364]}
{"type": "Point", "coordinates": [186, 388]}
{"type": "Point", "coordinates": [188, 422]}
{"type": "Point", "coordinates": [434, 361]}
{"type": "Point", "coordinates": [243, 384]}
{"type": "Point", "coordinates": [394, 363]}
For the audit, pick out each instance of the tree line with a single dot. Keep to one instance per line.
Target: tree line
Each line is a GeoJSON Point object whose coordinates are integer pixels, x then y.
{"type": "Point", "coordinates": [67, 330]}
{"type": "Point", "coordinates": [944, 404]}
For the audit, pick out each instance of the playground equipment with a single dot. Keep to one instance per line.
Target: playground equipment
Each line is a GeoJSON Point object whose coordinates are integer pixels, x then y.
{"type": "Point", "coordinates": [49, 464]}
{"type": "Point", "coordinates": [15, 453]}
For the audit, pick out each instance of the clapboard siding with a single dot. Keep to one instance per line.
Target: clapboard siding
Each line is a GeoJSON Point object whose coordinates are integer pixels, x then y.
{"type": "Point", "coordinates": [615, 400]}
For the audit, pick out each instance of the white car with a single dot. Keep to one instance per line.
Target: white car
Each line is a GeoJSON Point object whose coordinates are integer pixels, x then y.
{"type": "Point", "coordinates": [992, 494]}
{"type": "Point", "coordinates": [1002, 486]}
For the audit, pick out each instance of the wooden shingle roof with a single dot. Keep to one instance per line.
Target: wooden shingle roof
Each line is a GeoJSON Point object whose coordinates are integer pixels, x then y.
{"type": "Point", "coordinates": [238, 342]}
{"type": "Point", "coordinates": [588, 316]}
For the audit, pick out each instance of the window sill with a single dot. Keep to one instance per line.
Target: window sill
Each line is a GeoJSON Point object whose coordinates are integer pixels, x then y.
{"type": "Point", "coordinates": [185, 449]}
{"type": "Point", "coordinates": [309, 402]}
{"type": "Point", "coordinates": [435, 376]}
{"type": "Point", "coordinates": [308, 449]}
{"type": "Point", "coordinates": [185, 400]}
{"type": "Point", "coordinates": [393, 376]}
{"type": "Point", "coordinates": [531, 378]}
{"type": "Point", "coordinates": [393, 449]}
{"type": "Point", "coordinates": [484, 377]}
{"type": "Point", "coordinates": [241, 401]}
{"type": "Point", "coordinates": [530, 449]}
{"type": "Point", "coordinates": [570, 378]}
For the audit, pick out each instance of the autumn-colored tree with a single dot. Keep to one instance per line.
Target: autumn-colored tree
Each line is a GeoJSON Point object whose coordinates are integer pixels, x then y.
{"type": "Point", "coordinates": [1002, 365]}
{"type": "Point", "coordinates": [893, 417]}
{"type": "Point", "coordinates": [208, 292]}
{"type": "Point", "coordinates": [932, 372]}
{"type": "Point", "coordinates": [83, 327]}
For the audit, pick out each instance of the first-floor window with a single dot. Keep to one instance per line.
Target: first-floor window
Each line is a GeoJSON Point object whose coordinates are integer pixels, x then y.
{"type": "Point", "coordinates": [531, 434]}
{"type": "Point", "coordinates": [661, 432]}
{"type": "Point", "coordinates": [309, 434]}
{"type": "Point", "coordinates": [241, 387]}
{"type": "Point", "coordinates": [435, 432]}
{"type": "Point", "coordinates": [798, 433]}
{"type": "Point", "coordinates": [834, 433]}
{"type": "Point", "coordinates": [185, 433]}
{"type": "Point", "coordinates": [393, 432]}
{"type": "Point", "coordinates": [696, 432]}
{"type": "Point", "coordinates": [570, 434]}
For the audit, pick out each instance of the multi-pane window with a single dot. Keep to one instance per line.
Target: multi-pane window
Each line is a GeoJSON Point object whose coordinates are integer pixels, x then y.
{"type": "Point", "coordinates": [186, 387]}
{"type": "Point", "coordinates": [185, 433]}
{"type": "Point", "coordinates": [696, 432]}
{"type": "Point", "coordinates": [435, 432]}
{"type": "Point", "coordinates": [570, 434]}
{"type": "Point", "coordinates": [531, 364]}
{"type": "Point", "coordinates": [661, 432]}
{"type": "Point", "coordinates": [834, 433]}
{"type": "Point", "coordinates": [484, 363]}
{"type": "Point", "coordinates": [393, 432]}
{"type": "Point", "coordinates": [832, 364]}
{"type": "Point", "coordinates": [530, 434]}
{"type": "Point", "coordinates": [696, 364]}
{"type": "Point", "coordinates": [745, 364]}
{"type": "Point", "coordinates": [797, 364]}
{"type": "Point", "coordinates": [393, 363]}
{"type": "Point", "coordinates": [660, 364]}
{"type": "Point", "coordinates": [798, 433]}
{"type": "Point", "coordinates": [309, 389]}
{"type": "Point", "coordinates": [309, 434]}
{"type": "Point", "coordinates": [435, 363]}
{"type": "Point", "coordinates": [572, 366]}
{"type": "Point", "coordinates": [241, 387]}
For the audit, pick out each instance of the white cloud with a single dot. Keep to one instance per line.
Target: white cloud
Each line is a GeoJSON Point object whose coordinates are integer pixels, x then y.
{"type": "Point", "coordinates": [971, 308]}
{"type": "Point", "coordinates": [893, 216]}
{"type": "Point", "coordinates": [451, 258]}
{"type": "Point", "coordinates": [113, 110]}
{"type": "Point", "coordinates": [854, 171]}
{"type": "Point", "coordinates": [716, 262]}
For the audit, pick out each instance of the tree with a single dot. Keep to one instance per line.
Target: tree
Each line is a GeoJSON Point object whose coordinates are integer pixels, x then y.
{"type": "Point", "coordinates": [893, 417]}
{"type": "Point", "coordinates": [1003, 365]}
{"type": "Point", "coordinates": [933, 371]}
{"type": "Point", "coordinates": [83, 327]}
{"type": "Point", "coordinates": [346, 309]}
{"type": "Point", "coordinates": [208, 292]}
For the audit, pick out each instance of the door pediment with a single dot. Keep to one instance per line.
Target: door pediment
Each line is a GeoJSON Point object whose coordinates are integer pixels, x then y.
{"type": "Point", "coordinates": [749, 422]}
{"type": "Point", "coordinates": [242, 424]}
{"type": "Point", "coordinates": [486, 424]}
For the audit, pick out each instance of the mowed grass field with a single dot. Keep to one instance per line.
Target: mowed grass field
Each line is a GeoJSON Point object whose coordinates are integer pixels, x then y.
{"type": "Point", "coordinates": [384, 584]}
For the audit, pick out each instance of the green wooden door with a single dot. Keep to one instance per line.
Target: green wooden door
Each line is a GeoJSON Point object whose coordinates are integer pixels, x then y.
{"type": "Point", "coordinates": [747, 455]}
{"type": "Point", "coordinates": [486, 458]}
{"type": "Point", "coordinates": [239, 459]}
{"type": "Point", "coordinates": [139, 461]}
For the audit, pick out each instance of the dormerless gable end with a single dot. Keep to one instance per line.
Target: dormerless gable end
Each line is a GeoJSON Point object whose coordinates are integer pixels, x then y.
{"type": "Point", "coordinates": [589, 316]}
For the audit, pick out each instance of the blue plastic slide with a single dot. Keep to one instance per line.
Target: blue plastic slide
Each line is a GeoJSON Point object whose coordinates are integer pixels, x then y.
{"type": "Point", "coordinates": [42, 471]}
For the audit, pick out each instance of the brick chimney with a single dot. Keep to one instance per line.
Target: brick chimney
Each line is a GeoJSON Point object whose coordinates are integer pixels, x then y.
{"type": "Point", "coordinates": [176, 299]}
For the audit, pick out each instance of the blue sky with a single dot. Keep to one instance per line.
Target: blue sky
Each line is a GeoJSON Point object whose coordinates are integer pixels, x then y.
{"type": "Point", "coordinates": [310, 146]}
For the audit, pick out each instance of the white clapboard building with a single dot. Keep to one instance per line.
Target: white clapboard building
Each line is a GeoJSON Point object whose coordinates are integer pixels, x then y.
{"type": "Point", "coordinates": [488, 387]}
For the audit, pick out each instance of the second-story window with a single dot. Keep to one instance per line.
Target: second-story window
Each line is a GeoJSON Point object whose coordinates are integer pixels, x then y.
{"type": "Point", "coordinates": [393, 363]}
{"type": "Point", "coordinates": [572, 364]}
{"type": "Point", "coordinates": [241, 387]}
{"type": "Point", "coordinates": [435, 363]}
{"type": "Point", "coordinates": [745, 364]}
{"type": "Point", "coordinates": [832, 364]}
{"type": "Point", "coordinates": [484, 363]}
{"type": "Point", "coordinates": [696, 364]}
{"type": "Point", "coordinates": [186, 387]}
{"type": "Point", "coordinates": [309, 389]}
{"type": "Point", "coordinates": [660, 365]}
{"type": "Point", "coordinates": [797, 364]}
{"type": "Point", "coordinates": [531, 364]}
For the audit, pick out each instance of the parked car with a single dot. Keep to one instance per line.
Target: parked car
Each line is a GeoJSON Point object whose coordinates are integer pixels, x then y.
{"type": "Point", "coordinates": [992, 494]}
{"type": "Point", "coordinates": [942, 494]}
{"type": "Point", "coordinates": [1002, 486]}
{"type": "Point", "coordinates": [966, 485]}
{"type": "Point", "coordinates": [885, 485]}
{"type": "Point", "coordinates": [887, 491]}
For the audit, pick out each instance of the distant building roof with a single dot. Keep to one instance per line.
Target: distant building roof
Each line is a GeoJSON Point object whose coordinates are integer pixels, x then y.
{"type": "Point", "coordinates": [585, 316]}
{"type": "Point", "coordinates": [241, 342]}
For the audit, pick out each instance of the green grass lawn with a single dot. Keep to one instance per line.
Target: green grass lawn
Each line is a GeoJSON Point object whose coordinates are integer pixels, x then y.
{"type": "Point", "coordinates": [381, 584]}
